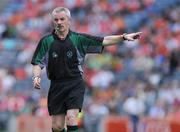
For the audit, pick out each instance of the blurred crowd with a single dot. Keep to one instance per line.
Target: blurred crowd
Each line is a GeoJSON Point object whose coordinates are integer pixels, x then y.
{"type": "Point", "coordinates": [137, 79]}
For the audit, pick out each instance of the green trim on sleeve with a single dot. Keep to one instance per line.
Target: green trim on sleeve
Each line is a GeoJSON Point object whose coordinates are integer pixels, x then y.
{"type": "Point", "coordinates": [90, 41]}
{"type": "Point", "coordinates": [42, 49]}
{"type": "Point", "coordinates": [75, 38]}
{"type": "Point", "coordinates": [91, 44]}
{"type": "Point", "coordinates": [87, 43]}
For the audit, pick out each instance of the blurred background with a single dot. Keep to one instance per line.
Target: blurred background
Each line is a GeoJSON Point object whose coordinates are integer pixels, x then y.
{"type": "Point", "coordinates": [131, 87]}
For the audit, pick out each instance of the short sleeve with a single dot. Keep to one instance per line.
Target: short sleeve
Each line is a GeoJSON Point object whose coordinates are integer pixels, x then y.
{"type": "Point", "coordinates": [39, 56]}
{"type": "Point", "coordinates": [43, 62]}
{"type": "Point", "coordinates": [91, 44]}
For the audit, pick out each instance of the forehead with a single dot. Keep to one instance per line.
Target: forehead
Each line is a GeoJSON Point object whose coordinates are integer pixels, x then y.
{"type": "Point", "coordinates": [60, 15]}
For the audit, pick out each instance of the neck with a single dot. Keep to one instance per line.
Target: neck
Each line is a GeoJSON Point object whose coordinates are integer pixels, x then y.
{"type": "Point", "coordinates": [62, 35]}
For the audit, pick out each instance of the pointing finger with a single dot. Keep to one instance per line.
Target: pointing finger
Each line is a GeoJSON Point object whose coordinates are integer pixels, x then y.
{"type": "Point", "coordinates": [138, 33]}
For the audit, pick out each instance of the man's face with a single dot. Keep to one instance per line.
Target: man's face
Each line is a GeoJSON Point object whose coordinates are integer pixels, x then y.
{"type": "Point", "coordinates": [61, 22]}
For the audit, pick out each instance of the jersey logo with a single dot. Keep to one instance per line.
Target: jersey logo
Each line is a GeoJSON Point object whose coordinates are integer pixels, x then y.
{"type": "Point", "coordinates": [69, 54]}
{"type": "Point", "coordinates": [54, 55]}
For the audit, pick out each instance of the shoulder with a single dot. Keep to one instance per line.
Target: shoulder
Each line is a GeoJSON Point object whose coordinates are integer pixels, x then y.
{"type": "Point", "coordinates": [79, 37]}
{"type": "Point", "coordinates": [78, 34]}
{"type": "Point", "coordinates": [47, 38]}
{"type": "Point", "coordinates": [73, 33]}
{"type": "Point", "coordinates": [75, 36]}
{"type": "Point", "coordinates": [85, 35]}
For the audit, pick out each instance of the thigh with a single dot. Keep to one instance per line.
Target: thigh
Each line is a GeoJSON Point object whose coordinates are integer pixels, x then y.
{"type": "Point", "coordinates": [75, 96]}
{"type": "Point", "coordinates": [56, 98]}
{"type": "Point", "coordinates": [58, 120]}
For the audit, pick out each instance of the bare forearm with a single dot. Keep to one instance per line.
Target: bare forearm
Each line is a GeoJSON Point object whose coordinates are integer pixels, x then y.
{"type": "Point", "coordinates": [36, 70]}
{"type": "Point", "coordinates": [114, 39]}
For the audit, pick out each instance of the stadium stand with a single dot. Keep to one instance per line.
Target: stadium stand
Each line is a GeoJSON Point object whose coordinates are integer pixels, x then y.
{"type": "Point", "coordinates": [138, 79]}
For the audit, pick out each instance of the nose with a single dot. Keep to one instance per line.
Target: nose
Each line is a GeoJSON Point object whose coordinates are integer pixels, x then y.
{"type": "Point", "coordinates": [59, 21]}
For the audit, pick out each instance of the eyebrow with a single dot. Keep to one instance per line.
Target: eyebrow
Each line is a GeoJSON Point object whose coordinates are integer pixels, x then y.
{"type": "Point", "coordinates": [59, 18]}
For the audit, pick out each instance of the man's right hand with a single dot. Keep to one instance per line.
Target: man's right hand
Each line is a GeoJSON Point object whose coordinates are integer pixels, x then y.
{"type": "Point", "coordinates": [37, 82]}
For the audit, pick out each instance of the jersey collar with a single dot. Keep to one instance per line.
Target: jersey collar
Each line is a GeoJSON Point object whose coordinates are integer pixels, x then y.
{"type": "Point", "coordinates": [56, 37]}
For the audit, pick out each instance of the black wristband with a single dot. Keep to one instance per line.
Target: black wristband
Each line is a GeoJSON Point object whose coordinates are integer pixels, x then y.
{"type": "Point", "coordinates": [124, 34]}
{"type": "Point", "coordinates": [34, 77]}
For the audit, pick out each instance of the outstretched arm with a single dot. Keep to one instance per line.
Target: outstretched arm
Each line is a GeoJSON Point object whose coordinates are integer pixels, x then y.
{"type": "Point", "coordinates": [114, 39]}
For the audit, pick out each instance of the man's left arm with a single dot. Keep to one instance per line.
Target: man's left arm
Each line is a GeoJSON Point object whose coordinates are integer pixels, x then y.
{"type": "Point", "coordinates": [114, 39]}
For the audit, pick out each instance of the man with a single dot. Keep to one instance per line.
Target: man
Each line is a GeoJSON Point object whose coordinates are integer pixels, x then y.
{"type": "Point", "coordinates": [63, 52]}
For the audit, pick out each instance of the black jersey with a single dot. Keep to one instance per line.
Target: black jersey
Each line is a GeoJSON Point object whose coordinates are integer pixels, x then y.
{"type": "Point", "coordinates": [64, 58]}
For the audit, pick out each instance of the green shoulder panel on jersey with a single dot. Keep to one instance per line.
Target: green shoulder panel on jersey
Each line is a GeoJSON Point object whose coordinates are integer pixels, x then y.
{"type": "Point", "coordinates": [75, 38]}
{"type": "Point", "coordinates": [84, 41]}
{"type": "Point", "coordinates": [89, 40]}
{"type": "Point", "coordinates": [42, 49]}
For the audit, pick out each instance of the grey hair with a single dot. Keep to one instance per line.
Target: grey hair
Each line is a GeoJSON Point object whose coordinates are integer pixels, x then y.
{"type": "Point", "coordinates": [61, 9]}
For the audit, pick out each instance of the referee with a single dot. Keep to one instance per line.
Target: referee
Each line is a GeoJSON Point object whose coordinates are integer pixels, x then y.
{"type": "Point", "coordinates": [62, 53]}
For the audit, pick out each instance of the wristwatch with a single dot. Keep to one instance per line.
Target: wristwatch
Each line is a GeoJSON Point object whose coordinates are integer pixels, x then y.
{"type": "Point", "coordinates": [34, 77]}
{"type": "Point", "coordinates": [124, 36]}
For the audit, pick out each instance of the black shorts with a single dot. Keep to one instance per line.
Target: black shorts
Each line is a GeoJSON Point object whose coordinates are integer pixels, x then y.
{"type": "Point", "coordinates": [65, 95]}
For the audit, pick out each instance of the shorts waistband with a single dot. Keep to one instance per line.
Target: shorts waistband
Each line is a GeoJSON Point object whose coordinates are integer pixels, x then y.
{"type": "Point", "coordinates": [66, 79]}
